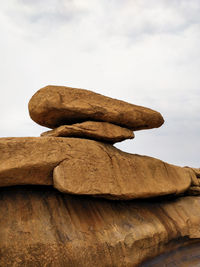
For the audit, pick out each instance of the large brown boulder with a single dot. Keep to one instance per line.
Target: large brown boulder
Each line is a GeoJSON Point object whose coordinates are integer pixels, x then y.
{"type": "Point", "coordinates": [53, 106]}
{"type": "Point", "coordinates": [114, 174]}
{"type": "Point", "coordinates": [43, 227]}
{"type": "Point", "coordinates": [81, 166]}
{"type": "Point", "coordinates": [100, 131]}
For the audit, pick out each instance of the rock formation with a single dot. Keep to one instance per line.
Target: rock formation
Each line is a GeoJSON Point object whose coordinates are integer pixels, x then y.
{"type": "Point", "coordinates": [100, 131]}
{"type": "Point", "coordinates": [86, 167]}
{"type": "Point", "coordinates": [66, 225]}
{"type": "Point", "coordinates": [53, 106]}
{"type": "Point", "coordinates": [42, 227]}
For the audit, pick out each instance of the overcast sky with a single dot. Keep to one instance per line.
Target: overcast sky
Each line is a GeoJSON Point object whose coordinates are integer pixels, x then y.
{"type": "Point", "coordinates": [146, 52]}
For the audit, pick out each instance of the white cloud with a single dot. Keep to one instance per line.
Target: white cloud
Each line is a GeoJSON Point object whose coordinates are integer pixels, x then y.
{"type": "Point", "coordinates": [143, 51]}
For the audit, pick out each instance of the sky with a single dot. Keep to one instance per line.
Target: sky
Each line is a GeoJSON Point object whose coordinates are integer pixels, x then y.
{"type": "Point", "coordinates": [145, 52]}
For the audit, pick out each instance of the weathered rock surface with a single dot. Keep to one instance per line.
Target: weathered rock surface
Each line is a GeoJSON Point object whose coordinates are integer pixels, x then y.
{"type": "Point", "coordinates": [196, 171]}
{"type": "Point", "coordinates": [53, 106]}
{"type": "Point", "coordinates": [186, 256]}
{"type": "Point", "coordinates": [193, 191]}
{"type": "Point", "coordinates": [42, 227]}
{"type": "Point", "coordinates": [81, 166]}
{"type": "Point", "coordinates": [31, 160]}
{"type": "Point", "coordinates": [115, 174]}
{"type": "Point", "coordinates": [101, 131]}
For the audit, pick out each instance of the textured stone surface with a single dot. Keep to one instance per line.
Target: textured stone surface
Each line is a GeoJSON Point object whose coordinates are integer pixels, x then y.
{"type": "Point", "coordinates": [186, 256]}
{"type": "Point", "coordinates": [194, 191]}
{"type": "Point", "coordinates": [196, 171]}
{"type": "Point", "coordinates": [53, 106]}
{"type": "Point", "coordinates": [195, 178]}
{"type": "Point", "coordinates": [82, 166]}
{"type": "Point", "coordinates": [31, 160]}
{"type": "Point", "coordinates": [43, 227]}
{"type": "Point", "coordinates": [114, 174]}
{"type": "Point", "coordinates": [101, 131]}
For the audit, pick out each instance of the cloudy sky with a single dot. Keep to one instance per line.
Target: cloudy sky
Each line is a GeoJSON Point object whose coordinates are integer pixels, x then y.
{"type": "Point", "coordinates": [145, 52]}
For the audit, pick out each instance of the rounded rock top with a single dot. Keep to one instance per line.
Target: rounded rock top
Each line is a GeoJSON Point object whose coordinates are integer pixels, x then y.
{"type": "Point", "coordinates": [53, 106]}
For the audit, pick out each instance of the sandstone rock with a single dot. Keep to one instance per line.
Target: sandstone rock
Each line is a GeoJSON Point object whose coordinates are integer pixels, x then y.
{"type": "Point", "coordinates": [81, 166]}
{"type": "Point", "coordinates": [186, 256]}
{"type": "Point", "coordinates": [111, 173]}
{"type": "Point", "coordinates": [195, 179]}
{"type": "Point", "coordinates": [196, 171]}
{"type": "Point", "coordinates": [42, 227]}
{"type": "Point", "coordinates": [53, 106]}
{"type": "Point", "coordinates": [30, 160]}
{"type": "Point", "coordinates": [194, 191]}
{"type": "Point", "coordinates": [102, 131]}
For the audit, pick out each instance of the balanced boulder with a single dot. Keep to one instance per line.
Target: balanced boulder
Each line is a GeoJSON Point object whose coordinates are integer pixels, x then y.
{"type": "Point", "coordinates": [45, 227]}
{"type": "Point", "coordinates": [101, 131]}
{"type": "Point", "coordinates": [87, 167]}
{"type": "Point", "coordinates": [53, 106]}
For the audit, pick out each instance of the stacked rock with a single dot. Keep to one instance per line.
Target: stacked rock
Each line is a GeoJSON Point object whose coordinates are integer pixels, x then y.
{"type": "Point", "coordinates": [68, 159]}
{"type": "Point", "coordinates": [77, 157]}
{"type": "Point", "coordinates": [81, 113]}
{"type": "Point", "coordinates": [99, 169]}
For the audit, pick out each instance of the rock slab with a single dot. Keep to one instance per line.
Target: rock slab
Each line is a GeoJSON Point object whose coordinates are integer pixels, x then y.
{"type": "Point", "coordinates": [87, 167]}
{"type": "Point", "coordinates": [100, 131]}
{"type": "Point", "coordinates": [53, 106]}
{"type": "Point", "coordinates": [46, 228]}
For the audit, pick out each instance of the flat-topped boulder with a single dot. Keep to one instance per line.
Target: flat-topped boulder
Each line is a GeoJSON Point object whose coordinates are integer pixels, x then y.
{"type": "Point", "coordinates": [87, 167]}
{"type": "Point", "coordinates": [53, 106]}
{"type": "Point", "coordinates": [108, 172]}
{"type": "Point", "coordinates": [100, 131]}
